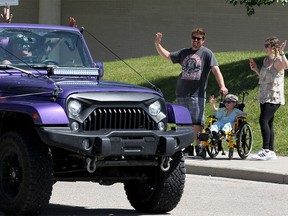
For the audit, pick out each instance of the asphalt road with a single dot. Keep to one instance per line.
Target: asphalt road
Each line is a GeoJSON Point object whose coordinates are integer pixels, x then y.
{"type": "Point", "coordinates": [203, 195]}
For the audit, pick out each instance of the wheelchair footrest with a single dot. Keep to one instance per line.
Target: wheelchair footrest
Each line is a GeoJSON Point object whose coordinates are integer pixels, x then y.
{"type": "Point", "coordinates": [203, 137]}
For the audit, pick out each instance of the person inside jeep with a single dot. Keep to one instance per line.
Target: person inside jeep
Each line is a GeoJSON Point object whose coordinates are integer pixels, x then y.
{"type": "Point", "coordinates": [18, 47]}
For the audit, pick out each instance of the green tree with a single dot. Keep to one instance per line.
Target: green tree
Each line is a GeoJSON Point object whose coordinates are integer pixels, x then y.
{"type": "Point", "coordinates": [250, 4]}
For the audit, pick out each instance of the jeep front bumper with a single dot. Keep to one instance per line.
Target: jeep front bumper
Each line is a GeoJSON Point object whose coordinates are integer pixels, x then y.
{"type": "Point", "coordinates": [118, 142]}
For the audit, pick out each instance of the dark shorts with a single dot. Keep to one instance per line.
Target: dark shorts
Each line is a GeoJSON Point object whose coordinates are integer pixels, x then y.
{"type": "Point", "coordinates": [196, 107]}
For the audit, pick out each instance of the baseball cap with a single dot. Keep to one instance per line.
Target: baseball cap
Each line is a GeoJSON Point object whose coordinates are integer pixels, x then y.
{"type": "Point", "coordinates": [231, 97]}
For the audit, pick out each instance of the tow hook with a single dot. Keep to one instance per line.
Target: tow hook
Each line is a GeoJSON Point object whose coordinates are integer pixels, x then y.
{"type": "Point", "coordinates": [91, 164]}
{"type": "Point", "coordinates": [165, 163]}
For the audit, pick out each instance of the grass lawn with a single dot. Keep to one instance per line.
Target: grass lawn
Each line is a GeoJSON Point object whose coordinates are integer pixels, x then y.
{"type": "Point", "coordinates": [238, 78]}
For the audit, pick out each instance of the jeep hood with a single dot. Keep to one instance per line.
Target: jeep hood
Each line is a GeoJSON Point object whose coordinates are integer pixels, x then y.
{"type": "Point", "coordinates": [32, 87]}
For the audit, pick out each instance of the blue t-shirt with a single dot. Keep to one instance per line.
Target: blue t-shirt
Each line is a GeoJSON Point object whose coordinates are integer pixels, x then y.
{"type": "Point", "coordinates": [196, 65]}
{"type": "Point", "coordinates": [222, 117]}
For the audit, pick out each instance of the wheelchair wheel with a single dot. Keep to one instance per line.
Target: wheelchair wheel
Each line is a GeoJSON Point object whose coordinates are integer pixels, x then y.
{"type": "Point", "coordinates": [244, 140]}
{"type": "Point", "coordinates": [212, 150]}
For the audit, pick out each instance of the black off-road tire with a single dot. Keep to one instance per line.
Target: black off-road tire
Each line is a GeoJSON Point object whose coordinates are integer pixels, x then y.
{"type": "Point", "coordinates": [162, 193]}
{"type": "Point", "coordinates": [26, 175]}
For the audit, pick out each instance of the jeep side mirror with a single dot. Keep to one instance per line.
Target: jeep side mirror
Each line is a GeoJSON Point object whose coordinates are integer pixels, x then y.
{"type": "Point", "coordinates": [99, 65]}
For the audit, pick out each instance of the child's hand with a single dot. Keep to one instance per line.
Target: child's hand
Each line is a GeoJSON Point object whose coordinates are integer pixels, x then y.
{"type": "Point", "coordinates": [212, 102]}
{"type": "Point", "coordinates": [212, 99]}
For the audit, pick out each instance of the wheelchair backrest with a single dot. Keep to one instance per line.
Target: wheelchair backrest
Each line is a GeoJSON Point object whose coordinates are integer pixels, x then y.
{"type": "Point", "coordinates": [240, 106]}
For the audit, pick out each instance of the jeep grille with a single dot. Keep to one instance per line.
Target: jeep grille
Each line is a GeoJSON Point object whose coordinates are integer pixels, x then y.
{"type": "Point", "coordinates": [118, 118]}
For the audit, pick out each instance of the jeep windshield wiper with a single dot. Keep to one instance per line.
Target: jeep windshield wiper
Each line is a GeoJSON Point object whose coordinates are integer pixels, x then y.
{"type": "Point", "coordinates": [7, 66]}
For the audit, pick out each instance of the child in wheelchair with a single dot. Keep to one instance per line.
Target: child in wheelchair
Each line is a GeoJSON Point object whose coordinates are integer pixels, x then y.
{"type": "Point", "coordinates": [226, 116]}
{"type": "Point", "coordinates": [228, 122]}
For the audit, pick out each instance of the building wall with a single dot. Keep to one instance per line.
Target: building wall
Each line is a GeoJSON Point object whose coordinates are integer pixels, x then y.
{"type": "Point", "coordinates": [26, 11]}
{"type": "Point", "coordinates": [128, 27]}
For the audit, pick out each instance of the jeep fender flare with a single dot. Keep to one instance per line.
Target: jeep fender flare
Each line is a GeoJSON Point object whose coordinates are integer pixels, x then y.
{"type": "Point", "coordinates": [178, 114]}
{"type": "Point", "coordinates": [42, 113]}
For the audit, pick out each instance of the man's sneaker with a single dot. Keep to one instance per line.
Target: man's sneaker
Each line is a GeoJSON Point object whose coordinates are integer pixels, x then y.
{"type": "Point", "coordinates": [274, 157]}
{"type": "Point", "coordinates": [189, 151]}
{"type": "Point", "coordinates": [199, 149]}
{"type": "Point", "coordinates": [263, 155]}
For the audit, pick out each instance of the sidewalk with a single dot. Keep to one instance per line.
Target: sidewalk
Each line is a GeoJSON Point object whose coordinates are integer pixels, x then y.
{"type": "Point", "coordinates": [273, 171]}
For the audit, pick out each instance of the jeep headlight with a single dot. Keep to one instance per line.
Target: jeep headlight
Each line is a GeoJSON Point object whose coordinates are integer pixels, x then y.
{"type": "Point", "coordinates": [74, 107]}
{"type": "Point", "coordinates": [155, 108]}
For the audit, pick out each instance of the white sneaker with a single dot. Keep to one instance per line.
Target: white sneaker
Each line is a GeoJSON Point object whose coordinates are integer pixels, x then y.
{"type": "Point", "coordinates": [263, 155]}
{"type": "Point", "coordinates": [274, 157]}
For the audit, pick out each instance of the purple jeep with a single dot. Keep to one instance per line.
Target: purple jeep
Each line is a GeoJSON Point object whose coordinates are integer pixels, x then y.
{"type": "Point", "coordinates": [61, 121]}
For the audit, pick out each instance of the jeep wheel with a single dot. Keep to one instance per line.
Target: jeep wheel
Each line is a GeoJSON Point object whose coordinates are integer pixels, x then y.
{"type": "Point", "coordinates": [26, 175]}
{"type": "Point", "coordinates": [161, 194]}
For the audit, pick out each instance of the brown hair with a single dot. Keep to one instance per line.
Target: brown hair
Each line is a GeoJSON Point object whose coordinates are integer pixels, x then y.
{"type": "Point", "coordinates": [274, 44]}
{"type": "Point", "coordinates": [199, 31]}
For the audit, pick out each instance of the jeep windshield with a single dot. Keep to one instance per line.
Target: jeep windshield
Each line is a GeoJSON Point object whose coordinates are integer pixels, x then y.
{"type": "Point", "coordinates": [42, 47]}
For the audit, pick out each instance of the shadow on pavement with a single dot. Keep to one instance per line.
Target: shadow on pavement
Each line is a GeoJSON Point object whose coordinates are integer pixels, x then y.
{"type": "Point", "coordinates": [63, 210]}
{"type": "Point", "coordinates": [54, 209]}
{"type": "Point", "coordinates": [219, 158]}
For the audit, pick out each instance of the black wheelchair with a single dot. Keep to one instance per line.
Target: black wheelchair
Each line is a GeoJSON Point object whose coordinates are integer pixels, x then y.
{"type": "Point", "coordinates": [240, 137]}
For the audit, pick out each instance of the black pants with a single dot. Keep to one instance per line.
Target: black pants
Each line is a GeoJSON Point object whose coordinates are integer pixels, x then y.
{"type": "Point", "coordinates": [266, 124]}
